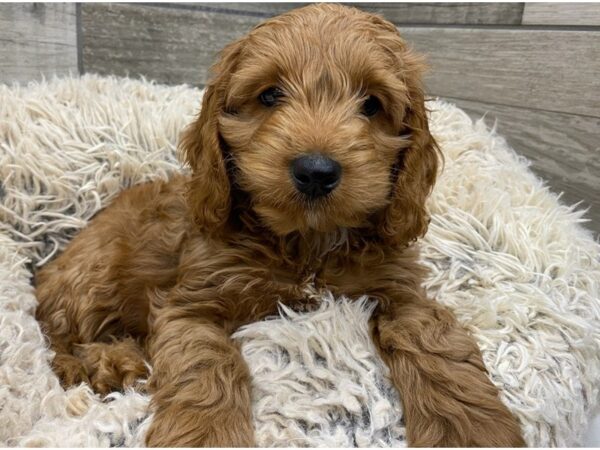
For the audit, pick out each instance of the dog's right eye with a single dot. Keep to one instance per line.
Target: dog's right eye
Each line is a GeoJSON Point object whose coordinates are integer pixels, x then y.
{"type": "Point", "coordinates": [371, 106]}
{"type": "Point", "coordinates": [270, 97]}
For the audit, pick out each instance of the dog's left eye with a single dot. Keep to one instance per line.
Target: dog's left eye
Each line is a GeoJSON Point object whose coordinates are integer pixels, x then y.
{"type": "Point", "coordinates": [270, 97]}
{"type": "Point", "coordinates": [371, 106]}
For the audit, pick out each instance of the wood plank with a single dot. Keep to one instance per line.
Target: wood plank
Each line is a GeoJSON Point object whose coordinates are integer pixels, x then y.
{"type": "Point", "coordinates": [399, 13]}
{"type": "Point", "coordinates": [571, 13]}
{"type": "Point", "coordinates": [257, 9]}
{"type": "Point", "coordinates": [169, 45]}
{"type": "Point", "coordinates": [540, 69]}
{"type": "Point", "coordinates": [447, 13]}
{"type": "Point", "coordinates": [564, 149]}
{"type": "Point", "coordinates": [37, 39]}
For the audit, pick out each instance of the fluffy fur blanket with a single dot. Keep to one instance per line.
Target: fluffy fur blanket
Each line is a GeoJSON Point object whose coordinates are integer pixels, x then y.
{"type": "Point", "coordinates": [512, 262]}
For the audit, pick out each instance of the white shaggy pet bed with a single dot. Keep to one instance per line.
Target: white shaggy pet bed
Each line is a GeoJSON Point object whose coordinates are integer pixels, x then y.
{"type": "Point", "coordinates": [512, 262]}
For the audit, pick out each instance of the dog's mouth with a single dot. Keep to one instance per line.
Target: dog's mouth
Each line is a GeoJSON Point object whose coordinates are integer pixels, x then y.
{"type": "Point", "coordinates": [317, 220]}
{"type": "Point", "coordinates": [299, 215]}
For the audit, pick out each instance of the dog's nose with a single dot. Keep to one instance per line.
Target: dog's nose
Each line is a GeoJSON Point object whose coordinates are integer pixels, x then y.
{"type": "Point", "coordinates": [315, 175]}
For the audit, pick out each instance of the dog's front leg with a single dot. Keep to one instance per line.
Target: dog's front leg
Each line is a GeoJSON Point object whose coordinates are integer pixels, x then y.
{"type": "Point", "coordinates": [448, 399]}
{"type": "Point", "coordinates": [200, 385]}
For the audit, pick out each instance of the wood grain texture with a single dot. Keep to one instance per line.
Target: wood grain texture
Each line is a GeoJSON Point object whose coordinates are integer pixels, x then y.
{"type": "Point", "coordinates": [571, 13]}
{"type": "Point", "coordinates": [169, 45]}
{"type": "Point", "coordinates": [564, 149]}
{"type": "Point", "coordinates": [447, 13]}
{"type": "Point", "coordinates": [256, 9]}
{"type": "Point", "coordinates": [37, 39]}
{"type": "Point", "coordinates": [399, 13]}
{"type": "Point", "coordinates": [538, 69]}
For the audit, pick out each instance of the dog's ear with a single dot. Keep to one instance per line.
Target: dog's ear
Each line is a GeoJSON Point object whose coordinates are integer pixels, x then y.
{"type": "Point", "coordinates": [415, 171]}
{"type": "Point", "coordinates": [209, 190]}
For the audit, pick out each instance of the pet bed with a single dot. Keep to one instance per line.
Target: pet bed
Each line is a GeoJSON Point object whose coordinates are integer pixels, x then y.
{"type": "Point", "coordinates": [511, 261]}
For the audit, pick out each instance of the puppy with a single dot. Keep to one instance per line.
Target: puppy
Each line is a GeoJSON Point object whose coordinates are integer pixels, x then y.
{"type": "Point", "coordinates": [311, 163]}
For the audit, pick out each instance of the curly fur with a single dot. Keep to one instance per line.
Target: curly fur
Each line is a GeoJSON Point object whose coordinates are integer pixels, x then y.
{"type": "Point", "coordinates": [171, 269]}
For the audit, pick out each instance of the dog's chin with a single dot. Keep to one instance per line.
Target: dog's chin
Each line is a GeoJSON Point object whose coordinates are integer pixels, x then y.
{"type": "Point", "coordinates": [303, 220]}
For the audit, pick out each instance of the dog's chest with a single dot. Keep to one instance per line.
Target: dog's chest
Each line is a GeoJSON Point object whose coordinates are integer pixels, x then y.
{"type": "Point", "coordinates": [341, 276]}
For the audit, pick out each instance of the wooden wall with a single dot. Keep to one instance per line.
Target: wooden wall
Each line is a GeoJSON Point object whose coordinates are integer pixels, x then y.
{"type": "Point", "coordinates": [532, 67]}
{"type": "Point", "coordinates": [37, 39]}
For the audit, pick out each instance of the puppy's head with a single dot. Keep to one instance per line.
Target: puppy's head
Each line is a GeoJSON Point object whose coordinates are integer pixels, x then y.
{"type": "Point", "coordinates": [318, 116]}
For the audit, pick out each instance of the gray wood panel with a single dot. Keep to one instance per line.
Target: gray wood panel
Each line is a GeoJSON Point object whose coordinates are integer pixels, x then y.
{"type": "Point", "coordinates": [257, 9]}
{"type": "Point", "coordinates": [571, 13]}
{"type": "Point", "coordinates": [540, 69]}
{"type": "Point", "coordinates": [564, 149]}
{"type": "Point", "coordinates": [400, 13]}
{"type": "Point", "coordinates": [448, 13]}
{"type": "Point", "coordinates": [37, 39]}
{"type": "Point", "coordinates": [169, 45]}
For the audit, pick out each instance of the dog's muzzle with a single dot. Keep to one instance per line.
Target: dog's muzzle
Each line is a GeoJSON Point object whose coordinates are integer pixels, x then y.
{"type": "Point", "coordinates": [315, 175]}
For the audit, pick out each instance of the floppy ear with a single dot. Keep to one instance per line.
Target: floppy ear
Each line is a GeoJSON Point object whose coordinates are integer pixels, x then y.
{"type": "Point", "coordinates": [415, 171]}
{"type": "Point", "coordinates": [209, 190]}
